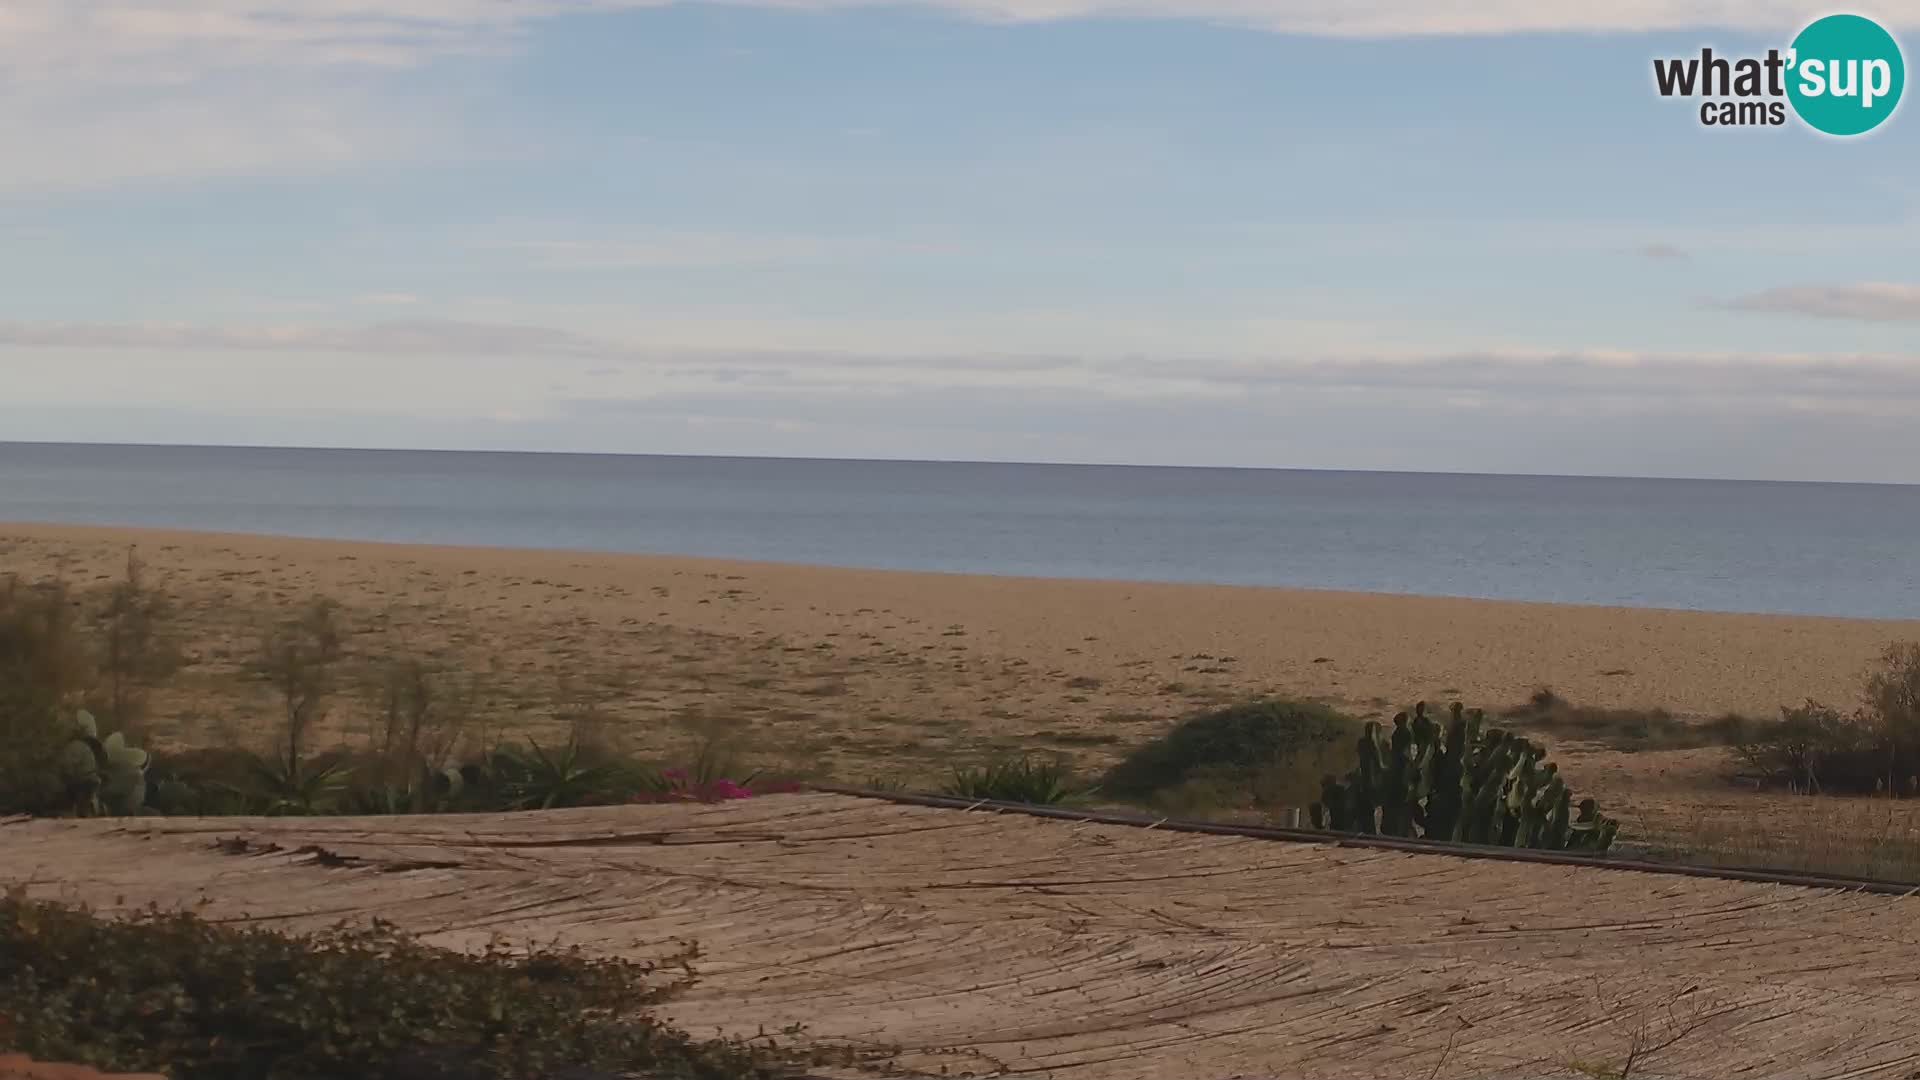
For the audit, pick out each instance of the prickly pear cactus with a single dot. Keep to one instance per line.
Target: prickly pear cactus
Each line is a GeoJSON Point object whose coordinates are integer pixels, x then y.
{"type": "Point", "coordinates": [123, 787]}
{"type": "Point", "coordinates": [102, 775]}
{"type": "Point", "coordinates": [1464, 782]}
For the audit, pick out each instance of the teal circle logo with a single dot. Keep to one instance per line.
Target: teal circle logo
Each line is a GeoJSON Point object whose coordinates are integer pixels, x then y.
{"type": "Point", "coordinates": [1845, 74]}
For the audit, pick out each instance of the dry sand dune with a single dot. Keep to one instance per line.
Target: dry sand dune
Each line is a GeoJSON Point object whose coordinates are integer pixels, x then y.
{"type": "Point", "coordinates": [858, 671]}
{"type": "Point", "coordinates": [1007, 945]}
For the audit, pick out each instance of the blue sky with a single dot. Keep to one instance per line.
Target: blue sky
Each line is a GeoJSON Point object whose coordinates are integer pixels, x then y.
{"type": "Point", "coordinates": [1403, 234]}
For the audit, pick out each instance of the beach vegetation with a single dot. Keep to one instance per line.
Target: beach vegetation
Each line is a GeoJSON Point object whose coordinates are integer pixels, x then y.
{"type": "Point", "coordinates": [45, 665]}
{"type": "Point", "coordinates": [96, 775]}
{"type": "Point", "coordinates": [170, 992]}
{"type": "Point", "coordinates": [1872, 749]}
{"type": "Point", "coordinates": [75, 673]}
{"type": "Point", "coordinates": [1261, 754]}
{"type": "Point", "coordinates": [1462, 781]}
{"type": "Point", "coordinates": [576, 771]}
{"type": "Point", "coordinates": [135, 646]}
{"type": "Point", "coordinates": [1627, 729]}
{"type": "Point", "coordinates": [299, 658]}
{"type": "Point", "coordinates": [1854, 837]}
{"type": "Point", "coordinates": [1027, 778]}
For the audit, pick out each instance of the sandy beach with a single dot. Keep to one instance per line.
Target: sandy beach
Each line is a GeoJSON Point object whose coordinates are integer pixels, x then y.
{"type": "Point", "coordinates": [837, 671]}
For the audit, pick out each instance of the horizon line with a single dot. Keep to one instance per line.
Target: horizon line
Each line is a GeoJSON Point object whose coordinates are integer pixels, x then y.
{"type": "Point", "coordinates": [951, 461]}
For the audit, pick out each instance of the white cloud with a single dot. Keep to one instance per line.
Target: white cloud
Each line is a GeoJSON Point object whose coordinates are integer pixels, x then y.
{"type": "Point", "coordinates": [1873, 301]}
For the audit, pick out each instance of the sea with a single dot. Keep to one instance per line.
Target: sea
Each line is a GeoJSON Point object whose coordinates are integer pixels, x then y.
{"type": "Point", "coordinates": [1715, 545]}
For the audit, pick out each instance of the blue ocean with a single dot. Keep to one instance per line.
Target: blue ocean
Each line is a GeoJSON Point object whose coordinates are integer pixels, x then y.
{"type": "Point", "coordinates": [1828, 549]}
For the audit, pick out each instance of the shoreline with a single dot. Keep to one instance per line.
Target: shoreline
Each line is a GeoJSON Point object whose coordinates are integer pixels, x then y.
{"type": "Point", "coordinates": [45, 529]}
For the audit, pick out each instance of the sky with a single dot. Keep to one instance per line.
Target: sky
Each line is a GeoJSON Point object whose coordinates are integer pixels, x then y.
{"type": "Point", "coordinates": [1450, 235]}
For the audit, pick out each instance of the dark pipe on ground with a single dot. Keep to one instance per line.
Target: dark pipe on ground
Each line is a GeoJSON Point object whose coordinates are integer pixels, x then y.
{"type": "Point", "coordinates": [1389, 843]}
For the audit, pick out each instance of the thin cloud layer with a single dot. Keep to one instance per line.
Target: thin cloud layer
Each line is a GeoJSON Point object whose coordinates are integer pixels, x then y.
{"type": "Point", "coordinates": [431, 337]}
{"type": "Point", "coordinates": [1709, 381]}
{"type": "Point", "coordinates": [1865, 302]}
{"type": "Point", "coordinates": [110, 91]}
{"type": "Point", "coordinates": [115, 39]}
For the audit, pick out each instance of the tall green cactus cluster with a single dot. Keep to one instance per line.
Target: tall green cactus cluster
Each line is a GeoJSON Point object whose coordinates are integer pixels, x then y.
{"type": "Point", "coordinates": [1468, 783]}
{"type": "Point", "coordinates": [102, 775]}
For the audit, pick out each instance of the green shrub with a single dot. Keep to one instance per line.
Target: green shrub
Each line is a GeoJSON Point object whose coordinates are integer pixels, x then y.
{"type": "Point", "coordinates": [1258, 753]}
{"type": "Point", "coordinates": [208, 781]}
{"type": "Point", "coordinates": [1873, 749]}
{"type": "Point", "coordinates": [1814, 748]}
{"type": "Point", "coordinates": [134, 642]}
{"type": "Point", "coordinates": [203, 1001]}
{"type": "Point", "coordinates": [1025, 779]}
{"type": "Point", "coordinates": [45, 665]}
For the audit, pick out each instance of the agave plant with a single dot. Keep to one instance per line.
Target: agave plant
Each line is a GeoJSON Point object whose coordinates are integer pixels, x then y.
{"type": "Point", "coordinates": [1025, 779]}
{"type": "Point", "coordinates": [294, 786]}
{"type": "Point", "coordinates": [539, 778]}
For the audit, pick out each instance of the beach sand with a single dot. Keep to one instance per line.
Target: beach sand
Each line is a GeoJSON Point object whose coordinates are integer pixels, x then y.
{"type": "Point", "coordinates": [838, 672]}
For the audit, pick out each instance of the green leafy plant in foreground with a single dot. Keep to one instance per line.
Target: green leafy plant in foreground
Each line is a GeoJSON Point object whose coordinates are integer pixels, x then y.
{"type": "Point", "coordinates": [205, 1001]}
{"type": "Point", "coordinates": [1467, 783]}
{"type": "Point", "coordinates": [1025, 779]}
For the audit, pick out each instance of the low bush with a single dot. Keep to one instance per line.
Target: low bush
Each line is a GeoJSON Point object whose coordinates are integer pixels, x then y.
{"type": "Point", "coordinates": [1814, 748]}
{"type": "Point", "coordinates": [1874, 749]}
{"type": "Point", "coordinates": [45, 664]}
{"type": "Point", "coordinates": [204, 1001]}
{"type": "Point", "coordinates": [538, 776]}
{"type": "Point", "coordinates": [1627, 729]}
{"type": "Point", "coordinates": [1255, 754]}
{"type": "Point", "coordinates": [208, 781]}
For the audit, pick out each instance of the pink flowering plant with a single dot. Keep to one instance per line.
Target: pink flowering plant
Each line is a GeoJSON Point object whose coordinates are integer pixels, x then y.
{"type": "Point", "coordinates": [678, 786]}
{"type": "Point", "coordinates": [711, 780]}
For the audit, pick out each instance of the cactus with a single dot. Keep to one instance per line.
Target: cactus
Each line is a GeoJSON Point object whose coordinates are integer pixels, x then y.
{"type": "Point", "coordinates": [1331, 812]}
{"type": "Point", "coordinates": [1366, 786]}
{"type": "Point", "coordinates": [1462, 783]}
{"type": "Point", "coordinates": [102, 775]}
{"type": "Point", "coordinates": [123, 787]}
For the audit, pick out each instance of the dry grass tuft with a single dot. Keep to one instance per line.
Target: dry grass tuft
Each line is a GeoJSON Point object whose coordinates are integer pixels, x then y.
{"type": "Point", "coordinates": [1628, 730]}
{"type": "Point", "coordinates": [1852, 837]}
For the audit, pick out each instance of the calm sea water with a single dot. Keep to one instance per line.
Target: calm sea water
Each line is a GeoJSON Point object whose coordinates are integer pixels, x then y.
{"type": "Point", "coordinates": [1834, 549]}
